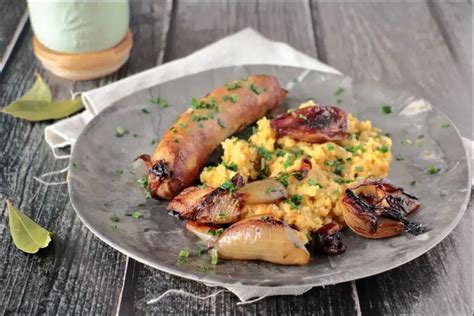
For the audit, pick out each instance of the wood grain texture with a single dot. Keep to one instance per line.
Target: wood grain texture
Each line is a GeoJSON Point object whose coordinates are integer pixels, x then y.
{"type": "Point", "coordinates": [78, 273]}
{"type": "Point", "coordinates": [194, 26]}
{"type": "Point", "coordinates": [454, 20]}
{"type": "Point", "coordinates": [371, 43]}
{"type": "Point", "coordinates": [398, 45]}
{"type": "Point", "coordinates": [10, 27]}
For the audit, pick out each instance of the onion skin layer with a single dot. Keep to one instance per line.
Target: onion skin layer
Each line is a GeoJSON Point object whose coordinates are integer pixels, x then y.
{"type": "Point", "coordinates": [262, 238]}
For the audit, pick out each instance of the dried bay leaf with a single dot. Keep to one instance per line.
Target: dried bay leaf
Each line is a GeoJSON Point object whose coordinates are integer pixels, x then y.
{"type": "Point", "coordinates": [27, 235]}
{"type": "Point", "coordinates": [33, 110]}
{"type": "Point", "coordinates": [39, 91]}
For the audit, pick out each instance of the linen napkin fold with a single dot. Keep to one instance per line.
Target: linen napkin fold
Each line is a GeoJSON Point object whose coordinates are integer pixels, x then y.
{"type": "Point", "coordinates": [246, 47]}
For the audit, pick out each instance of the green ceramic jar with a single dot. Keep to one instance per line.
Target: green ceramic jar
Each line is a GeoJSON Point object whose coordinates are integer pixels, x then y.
{"type": "Point", "coordinates": [79, 26]}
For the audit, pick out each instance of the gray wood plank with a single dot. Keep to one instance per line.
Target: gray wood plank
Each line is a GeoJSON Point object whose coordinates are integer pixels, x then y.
{"type": "Point", "coordinates": [194, 26]}
{"type": "Point", "coordinates": [11, 26]}
{"type": "Point", "coordinates": [78, 273]}
{"type": "Point", "coordinates": [454, 19]}
{"type": "Point", "coordinates": [400, 45]}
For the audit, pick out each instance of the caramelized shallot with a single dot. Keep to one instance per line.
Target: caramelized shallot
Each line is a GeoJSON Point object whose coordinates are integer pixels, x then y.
{"type": "Point", "coordinates": [262, 238]}
{"type": "Point", "coordinates": [263, 192]}
{"type": "Point", "coordinates": [377, 209]}
{"type": "Point", "coordinates": [314, 124]}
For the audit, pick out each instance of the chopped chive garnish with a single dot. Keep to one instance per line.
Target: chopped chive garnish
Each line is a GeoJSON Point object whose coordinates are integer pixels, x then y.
{"type": "Point", "coordinates": [339, 101]}
{"type": "Point", "coordinates": [120, 131]}
{"type": "Point", "coordinates": [359, 168]}
{"type": "Point", "coordinates": [227, 185]}
{"type": "Point", "coordinates": [234, 86]}
{"type": "Point", "coordinates": [137, 215]}
{"type": "Point", "coordinates": [255, 89]}
{"type": "Point", "coordinates": [231, 166]}
{"type": "Point", "coordinates": [119, 172]}
{"type": "Point", "coordinates": [445, 125]}
{"type": "Point", "coordinates": [433, 169]}
{"type": "Point", "coordinates": [181, 125]}
{"type": "Point", "coordinates": [383, 149]}
{"type": "Point", "coordinates": [399, 158]}
{"type": "Point", "coordinates": [294, 201]}
{"type": "Point", "coordinates": [339, 91]}
{"type": "Point", "coordinates": [385, 108]}
{"type": "Point", "coordinates": [214, 256]}
{"type": "Point", "coordinates": [146, 111]}
{"type": "Point", "coordinates": [312, 181]}
{"type": "Point", "coordinates": [302, 116]}
{"type": "Point", "coordinates": [234, 98]}
{"type": "Point", "coordinates": [283, 178]}
{"type": "Point", "coordinates": [115, 218]}
{"type": "Point", "coordinates": [413, 182]}
{"type": "Point", "coordinates": [330, 147]}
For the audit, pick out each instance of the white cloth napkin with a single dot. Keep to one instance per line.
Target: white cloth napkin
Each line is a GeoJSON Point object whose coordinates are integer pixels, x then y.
{"type": "Point", "coordinates": [246, 47]}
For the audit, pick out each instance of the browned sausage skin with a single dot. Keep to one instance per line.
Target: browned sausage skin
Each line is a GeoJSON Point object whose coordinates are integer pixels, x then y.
{"type": "Point", "coordinates": [184, 149]}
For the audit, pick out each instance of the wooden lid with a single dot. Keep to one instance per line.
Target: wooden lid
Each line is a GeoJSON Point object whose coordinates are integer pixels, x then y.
{"type": "Point", "coordinates": [84, 66]}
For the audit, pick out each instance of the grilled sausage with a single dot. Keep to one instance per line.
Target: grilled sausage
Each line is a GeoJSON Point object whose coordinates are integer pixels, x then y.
{"type": "Point", "coordinates": [182, 153]}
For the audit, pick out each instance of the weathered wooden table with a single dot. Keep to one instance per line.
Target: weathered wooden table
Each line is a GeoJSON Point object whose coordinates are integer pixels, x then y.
{"type": "Point", "coordinates": [424, 48]}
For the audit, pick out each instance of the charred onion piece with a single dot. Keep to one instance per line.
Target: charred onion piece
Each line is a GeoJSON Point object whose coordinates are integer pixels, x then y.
{"type": "Point", "coordinates": [328, 240]}
{"type": "Point", "coordinates": [262, 238]}
{"type": "Point", "coordinates": [377, 209]}
{"type": "Point", "coordinates": [263, 191]}
{"type": "Point", "coordinates": [203, 231]}
{"type": "Point", "coordinates": [314, 124]}
{"type": "Point", "coordinates": [208, 205]}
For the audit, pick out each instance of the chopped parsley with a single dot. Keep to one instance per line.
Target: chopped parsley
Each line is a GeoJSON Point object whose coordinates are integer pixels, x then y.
{"type": "Point", "coordinates": [234, 86]}
{"type": "Point", "coordinates": [433, 169]}
{"type": "Point", "coordinates": [283, 178]}
{"type": "Point", "coordinates": [385, 108]}
{"type": "Point", "coordinates": [215, 232]}
{"type": "Point", "coordinates": [137, 215]}
{"type": "Point", "coordinates": [232, 98]}
{"type": "Point", "coordinates": [279, 152]}
{"type": "Point", "coordinates": [338, 91]}
{"type": "Point", "coordinates": [383, 149]}
{"type": "Point", "coordinates": [265, 154]}
{"type": "Point", "coordinates": [330, 146]}
{"type": "Point", "coordinates": [159, 101]}
{"type": "Point", "coordinates": [221, 123]}
{"type": "Point", "coordinates": [214, 256]}
{"type": "Point", "coordinates": [289, 161]}
{"type": "Point", "coordinates": [231, 166]}
{"type": "Point", "coordinates": [313, 182]}
{"type": "Point", "coordinates": [294, 201]}
{"type": "Point", "coordinates": [255, 89]}
{"type": "Point", "coordinates": [271, 189]}
{"type": "Point", "coordinates": [183, 256]}
{"type": "Point", "coordinates": [120, 131]}
{"type": "Point", "coordinates": [227, 185]}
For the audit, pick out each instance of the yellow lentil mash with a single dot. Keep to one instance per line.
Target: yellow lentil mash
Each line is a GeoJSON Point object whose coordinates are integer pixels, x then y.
{"type": "Point", "coordinates": [312, 201]}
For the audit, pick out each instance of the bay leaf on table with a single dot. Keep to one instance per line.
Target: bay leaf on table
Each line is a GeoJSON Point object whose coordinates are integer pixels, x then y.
{"type": "Point", "coordinates": [39, 91]}
{"type": "Point", "coordinates": [34, 110]}
{"type": "Point", "coordinates": [27, 235]}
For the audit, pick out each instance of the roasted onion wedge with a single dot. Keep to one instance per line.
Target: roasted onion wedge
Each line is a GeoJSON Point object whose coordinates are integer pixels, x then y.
{"type": "Point", "coordinates": [314, 124]}
{"type": "Point", "coordinates": [377, 209]}
{"type": "Point", "coordinates": [203, 231]}
{"type": "Point", "coordinates": [263, 192]}
{"type": "Point", "coordinates": [262, 238]}
{"type": "Point", "coordinates": [221, 206]}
